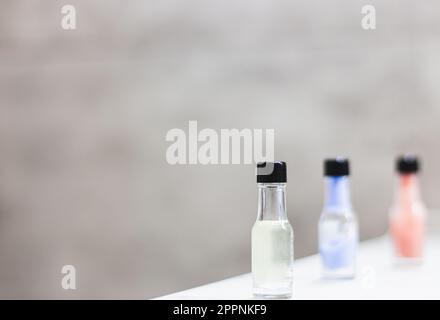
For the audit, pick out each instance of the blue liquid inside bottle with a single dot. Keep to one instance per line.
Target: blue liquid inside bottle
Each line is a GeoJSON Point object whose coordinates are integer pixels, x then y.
{"type": "Point", "coordinates": [338, 230]}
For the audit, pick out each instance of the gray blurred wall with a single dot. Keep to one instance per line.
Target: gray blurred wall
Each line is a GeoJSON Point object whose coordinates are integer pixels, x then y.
{"type": "Point", "coordinates": [84, 114]}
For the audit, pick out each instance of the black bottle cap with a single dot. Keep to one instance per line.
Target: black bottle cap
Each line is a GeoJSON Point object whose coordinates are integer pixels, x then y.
{"type": "Point", "coordinates": [271, 172]}
{"type": "Point", "coordinates": [407, 164]}
{"type": "Point", "coordinates": [336, 167]}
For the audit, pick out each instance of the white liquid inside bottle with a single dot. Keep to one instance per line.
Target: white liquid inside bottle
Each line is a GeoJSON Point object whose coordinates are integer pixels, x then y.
{"type": "Point", "coordinates": [272, 257]}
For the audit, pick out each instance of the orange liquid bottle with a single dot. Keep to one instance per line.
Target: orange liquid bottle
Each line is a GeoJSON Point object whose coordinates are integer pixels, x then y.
{"type": "Point", "coordinates": [407, 216]}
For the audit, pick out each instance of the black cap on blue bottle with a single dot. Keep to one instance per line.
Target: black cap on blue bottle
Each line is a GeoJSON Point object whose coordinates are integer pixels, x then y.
{"type": "Point", "coordinates": [272, 172]}
{"type": "Point", "coordinates": [336, 167]}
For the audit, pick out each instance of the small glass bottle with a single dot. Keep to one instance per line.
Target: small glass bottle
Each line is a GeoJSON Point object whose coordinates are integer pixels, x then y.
{"type": "Point", "coordinates": [338, 229]}
{"type": "Point", "coordinates": [272, 235]}
{"type": "Point", "coordinates": [407, 214]}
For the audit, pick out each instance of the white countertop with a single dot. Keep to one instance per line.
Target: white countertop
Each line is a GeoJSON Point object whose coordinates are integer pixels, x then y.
{"type": "Point", "coordinates": [377, 278]}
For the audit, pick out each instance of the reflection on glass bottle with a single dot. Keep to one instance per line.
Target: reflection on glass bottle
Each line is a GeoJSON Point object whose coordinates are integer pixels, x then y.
{"type": "Point", "coordinates": [407, 214]}
{"type": "Point", "coordinates": [338, 228]}
{"type": "Point", "coordinates": [272, 235]}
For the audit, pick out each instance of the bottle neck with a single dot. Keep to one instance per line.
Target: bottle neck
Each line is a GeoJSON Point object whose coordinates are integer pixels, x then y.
{"type": "Point", "coordinates": [272, 201]}
{"type": "Point", "coordinates": [337, 194]}
{"type": "Point", "coordinates": [408, 190]}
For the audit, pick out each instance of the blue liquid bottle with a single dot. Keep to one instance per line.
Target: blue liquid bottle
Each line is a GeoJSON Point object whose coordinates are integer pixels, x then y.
{"type": "Point", "coordinates": [338, 228]}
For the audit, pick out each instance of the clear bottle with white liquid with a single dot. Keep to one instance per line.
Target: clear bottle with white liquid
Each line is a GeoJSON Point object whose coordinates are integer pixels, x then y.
{"type": "Point", "coordinates": [338, 227]}
{"type": "Point", "coordinates": [272, 235]}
